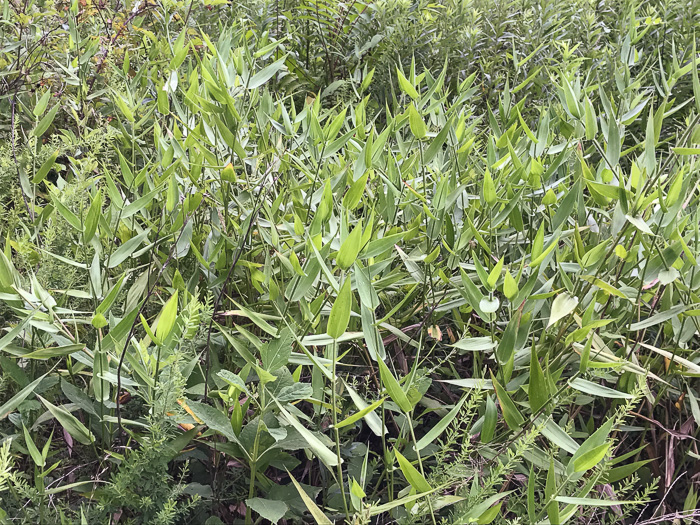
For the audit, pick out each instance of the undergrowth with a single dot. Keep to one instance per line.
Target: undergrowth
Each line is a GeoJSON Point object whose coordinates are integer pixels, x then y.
{"type": "Point", "coordinates": [348, 262]}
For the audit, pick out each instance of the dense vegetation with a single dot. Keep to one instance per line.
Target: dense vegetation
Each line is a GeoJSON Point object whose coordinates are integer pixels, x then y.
{"type": "Point", "coordinates": [365, 262]}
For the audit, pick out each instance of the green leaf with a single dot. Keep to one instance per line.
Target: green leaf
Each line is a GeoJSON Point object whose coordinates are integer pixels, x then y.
{"type": "Point", "coordinates": [68, 421]}
{"type": "Point", "coordinates": [537, 390]}
{"type": "Point", "coordinates": [531, 481]}
{"type": "Point", "coordinates": [167, 318]}
{"type": "Point", "coordinates": [550, 490]}
{"type": "Point", "coordinates": [594, 389]}
{"type": "Point", "coordinates": [393, 387]}
{"type": "Point", "coordinates": [526, 129]}
{"type": "Point", "coordinates": [329, 458]}
{"type": "Point", "coordinates": [406, 85]}
{"type": "Point", "coordinates": [411, 474]}
{"type": "Point", "coordinates": [266, 74]}
{"type": "Point", "coordinates": [360, 414]}
{"type": "Point", "coordinates": [354, 194]}
{"type": "Point", "coordinates": [595, 440]}
{"type": "Point", "coordinates": [490, 419]}
{"type": "Point", "coordinates": [495, 274]}
{"type": "Point", "coordinates": [20, 396]}
{"type": "Point", "coordinates": [270, 510]}
{"type": "Point", "coordinates": [562, 306]}
{"type": "Point", "coordinates": [55, 351]}
{"type": "Point", "coordinates": [45, 122]}
{"type": "Point", "coordinates": [319, 517]}
{"type": "Point", "coordinates": [111, 296]}
{"type": "Point", "coordinates": [42, 104]}
{"type": "Point", "coordinates": [275, 354]}
{"type": "Point", "coordinates": [45, 168]}
{"type": "Point", "coordinates": [489, 515]}
{"type": "Point", "coordinates": [510, 287]}
{"type": "Point", "coordinates": [572, 102]}
{"type": "Point", "coordinates": [489, 189]}
{"type": "Point", "coordinates": [127, 249]}
{"type": "Point", "coordinates": [511, 414]}
{"type": "Point", "coordinates": [350, 248]}
{"type": "Point", "coordinates": [475, 512]}
{"type": "Point", "coordinates": [590, 120]}
{"type": "Point", "coordinates": [614, 146]}
{"type": "Point", "coordinates": [593, 502]}
{"type": "Point", "coordinates": [38, 459]}
{"type": "Point", "coordinates": [591, 458]}
{"type": "Point", "coordinates": [93, 217]}
{"type": "Point", "coordinates": [340, 311]}
{"type": "Point", "coordinates": [372, 419]}
{"type": "Point", "coordinates": [538, 243]}
{"type": "Point", "coordinates": [416, 123]}
{"type": "Point", "coordinates": [659, 318]}
{"type": "Point", "coordinates": [440, 427]}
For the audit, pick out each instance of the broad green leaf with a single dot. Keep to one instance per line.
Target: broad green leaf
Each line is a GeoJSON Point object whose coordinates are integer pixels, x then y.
{"type": "Point", "coordinates": [270, 510]}
{"type": "Point", "coordinates": [43, 171]}
{"type": "Point", "coordinates": [538, 391]}
{"type": "Point", "coordinates": [510, 287]}
{"type": "Point", "coordinates": [591, 458]}
{"type": "Point", "coordinates": [340, 311]}
{"type": "Point", "coordinates": [42, 104]}
{"type": "Point", "coordinates": [593, 502]}
{"type": "Point", "coordinates": [36, 456]}
{"type": "Point", "coordinates": [319, 517]}
{"type": "Point", "coordinates": [266, 74]}
{"type": "Point", "coordinates": [597, 439]}
{"type": "Point", "coordinates": [350, 248]}
{"type": "Point", "coordinates": [614, 146]}
{"type": "Point", "coordinates": [416, 123]}
{"type": "Point", "coordinates": [54, 351]}
{"type": "Point", "coordinates": [20, 396]}
{"type": "Point", "coordinates": [490, 419]}
{"type": "Point", "coordinates": [595, 389]}
{"type": "Point", "coordinates": [372, 419]}
{"type": "Point", "coordinates": [489, 515]}
{"type": "Point", "coordinates": [562, 306]}
{"type": "Point", "coordinates": [360, 414]}
{"type": "Point", "coordinates": [475, 512]}
{"type": "Point", "coordinates": [659, 318]}
{"type": "Point", "coordinates": [549, 494]}
{"type": "Point", "coordinates": [393, 387]}
{"type": "Point", "coordinates": [127, 249]}
{"type": "Point", "coordinates": [495, 274]}
{"type": "Point", "coordinates": [687, 151]}
{"type": "Point", "coordinates": [511, 414]}
{"type": "Point", "coordinates": [68, 421]}
{"type": "Point", "coordinates": [406, 85]}
{"type": "Point", "coordinates": [329, 458]}
{"type": "Point", "coordinates": [167, 318]}
{"type": "Point", "coordinates": [93, 217]}
{"type": "Point", "coordinates": [45, 122]}
{"type": "Point", "coordinates": [489, 189]}
{"type": "Point", "coordinates": [276, 353]}
{"type": "Point", "coordinates": [354, 194]}
{"type": "Point", "coordinates": [411, 474]}
{"type": "Point", "coordinates": [440, 427]}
